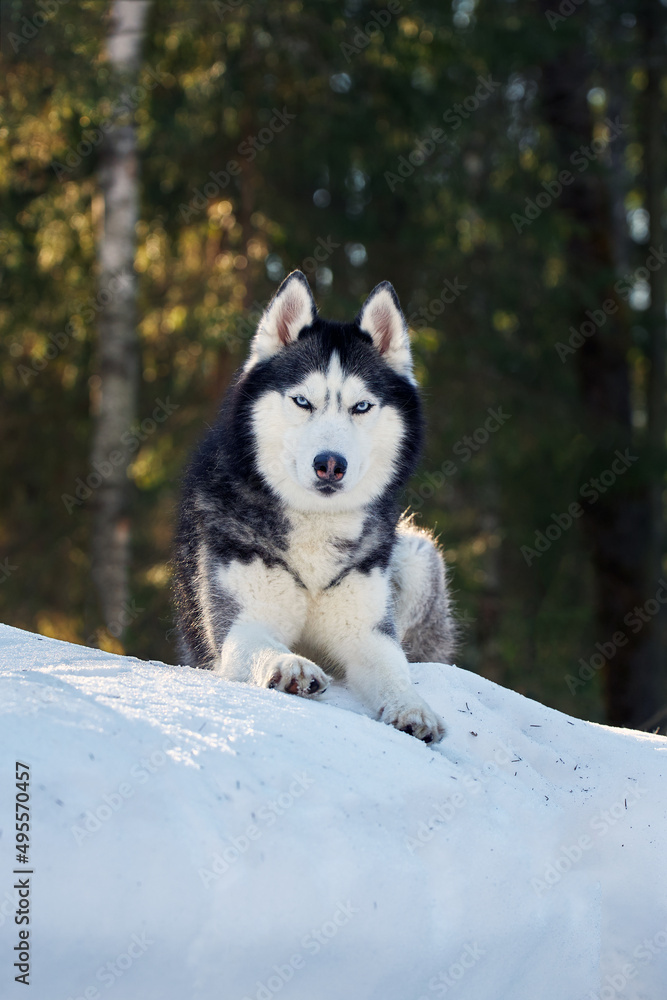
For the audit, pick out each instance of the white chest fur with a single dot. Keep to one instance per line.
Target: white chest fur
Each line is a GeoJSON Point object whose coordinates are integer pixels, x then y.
{"type": "Point", "coordinates": [320, 545]}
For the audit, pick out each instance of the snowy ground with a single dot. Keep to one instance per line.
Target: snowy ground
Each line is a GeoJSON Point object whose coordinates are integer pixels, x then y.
{"type": "Point", "coordinates": [194, 839]}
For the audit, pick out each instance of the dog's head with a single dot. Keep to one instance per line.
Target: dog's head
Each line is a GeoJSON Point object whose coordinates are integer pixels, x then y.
{"type": "Point", "coordinates": [333, 407]}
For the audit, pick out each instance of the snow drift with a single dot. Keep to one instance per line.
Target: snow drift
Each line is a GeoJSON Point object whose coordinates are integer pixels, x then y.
{"type": "Point", "coordinates": [193, 838]}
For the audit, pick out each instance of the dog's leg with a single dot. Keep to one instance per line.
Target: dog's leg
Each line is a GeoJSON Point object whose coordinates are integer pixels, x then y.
{"type": "Point", "coordinates": [424, 619]}
{"type": "Point", "coordinates": [271, 611]}
{"type": "Point", "coordinates": [353, 622]}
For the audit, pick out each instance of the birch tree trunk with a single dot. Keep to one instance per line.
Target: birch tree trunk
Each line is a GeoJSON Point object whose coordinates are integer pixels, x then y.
{"type": "Point", "coordinates": [118, 354]}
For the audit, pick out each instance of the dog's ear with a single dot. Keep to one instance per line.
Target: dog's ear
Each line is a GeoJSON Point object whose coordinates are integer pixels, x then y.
{"type": "Point", "coordinates": [290, 310]}
{"type": "Point", "coordinates": [382, 318]}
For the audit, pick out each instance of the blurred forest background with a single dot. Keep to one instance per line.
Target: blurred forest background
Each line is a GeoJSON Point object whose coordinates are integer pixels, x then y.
{"type": "Point", "coordinates": [163, 165]}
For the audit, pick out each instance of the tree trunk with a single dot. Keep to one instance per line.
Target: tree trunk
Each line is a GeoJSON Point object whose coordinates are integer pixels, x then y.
{"type": "Point", "coordinates": [118, 354]}
{"type": "Point", "coordinates": [652, 20]}
{"type": "Point", "coordinates": [619, 524]}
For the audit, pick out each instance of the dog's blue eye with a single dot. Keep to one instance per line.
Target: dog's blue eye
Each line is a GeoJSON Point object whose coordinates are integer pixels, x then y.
{"type": "Point", "coordinates": [363, 407]}
{"type": "Point", "coordinates": [302, 402]}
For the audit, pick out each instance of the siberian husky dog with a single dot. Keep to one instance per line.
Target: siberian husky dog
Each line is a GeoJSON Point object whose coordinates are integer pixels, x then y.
{"type": "Point", "coordinates": [292, 562]}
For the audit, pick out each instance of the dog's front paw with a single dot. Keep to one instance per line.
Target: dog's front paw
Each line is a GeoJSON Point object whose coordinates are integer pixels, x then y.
{"type": "Point", "coordinates": [415, 718]}
{"type": "Point", "coordinates": [296, 675]}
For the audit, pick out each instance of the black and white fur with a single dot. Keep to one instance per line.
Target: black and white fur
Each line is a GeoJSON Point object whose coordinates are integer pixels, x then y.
{"type": "Point", "coordinates": [292, 562]}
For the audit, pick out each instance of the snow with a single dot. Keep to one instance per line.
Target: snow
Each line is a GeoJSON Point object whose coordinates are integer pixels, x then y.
{"type": "Point", "coordinates": [193, 838]}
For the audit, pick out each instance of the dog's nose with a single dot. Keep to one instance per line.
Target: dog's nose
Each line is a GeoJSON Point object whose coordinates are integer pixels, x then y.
{"type": "Point", "coordinates": [329, 467]}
